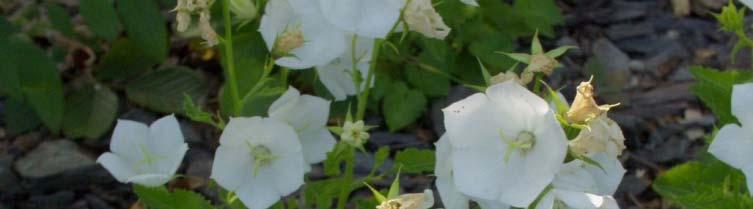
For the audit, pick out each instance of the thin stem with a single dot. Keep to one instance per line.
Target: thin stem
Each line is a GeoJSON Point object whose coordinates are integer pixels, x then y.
{"type": "Point", "coordinates": [262, 81]}
{"type": "Point", "coordinates": [536, 83]}
{"type": "Point", "coordinates": [342, 199]}
{"type": "Point", "coordinates": [364, 97]}
{"type": "Point", "coordinates": [284, 77]}
{"type": "Point", "coordinates": [230, 59]}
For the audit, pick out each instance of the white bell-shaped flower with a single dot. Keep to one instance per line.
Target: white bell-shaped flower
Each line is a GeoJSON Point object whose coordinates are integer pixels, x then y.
{"type": "Point", "coordinates": [733, 143]}
{"type": "Point", "coordinates": [506, 144]}
{"type": "Point", "coordinates": [337, 75]}
{"type": "Point", "coordinates": [367, 18]}
{"type": "Point", "coordinates": [260, 159]}
{"type": "Point", "coordinates": [148, 156]}
{"type": "Point", "coordinates": [579, 185]}
{"type": "Point", "coordinates": [602, 135]}
{"type": "Point", "coordinates": [297, 34]}
{"type": "Point", "coordinates": [421, 17]}
{"type": "Point", "coordinates": [308, 116]}
{"type": "Point", "coordinates": [448, 192]}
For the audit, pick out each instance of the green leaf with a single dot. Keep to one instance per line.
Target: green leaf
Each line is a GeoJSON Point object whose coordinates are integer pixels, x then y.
{"type": "Point", "coordinates": [377, 195]}
{"type": "Point", "coordinates": [414, 160]}
{"type": "Point", "coordinates": [428, 79]}
{"type": "Point", "coordinates": [485, 73]}
{"type": "Point", "coordinates": [379, 157]}
{"type": "Point", "coordinates": [536, 47]}
{"type": "Point", "coordinates": [395, 186]}
{"type": "Point", "coordinates": [484, 49]}
{"type": "Point", "coordinates": [249, 65]}
{"type": "Point", "coordinates": [559, 51]}
{"type": "Point", "coordinates": [145, 26]}
{"type": "Point", "coordinates": [162, 90]}
{"type": "Point", "coordinates": [714, 88]}
{"type": "Point", "coordinates": [322, 192]}
{"type": "Point", "coordinates": [60, 19]}
{"type": "Point", "coordinates": [709, 185]}
{"type": "Point", "coordinates": [160, 198]}
{"type": "Point", "coordinates": [539, 15]}
{"type": "Point", "coordinates": [34, 77]}
{"type": "Point", "coordinates": [89, 111]}
{"type": "Point", "coordinates": [340, 153]}
{"type": "Point", "coordinates": [402, 106]}
{"type": "Point", "coordinates": [22, 117]}
{"type": "Point", "coordinates": [520, 57]}
{"type": "Point", "coordinates": [124, 60]}
{"type": "Point", "coordinates": [101, 18]}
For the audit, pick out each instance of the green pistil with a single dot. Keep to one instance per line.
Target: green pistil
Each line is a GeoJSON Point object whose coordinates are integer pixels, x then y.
{"type": "Point", "coordinates": [149, 158]}
{"type": "Point", "coordinates": [524, 141]}
{"type": "Point", "coordinates": [262, 156]}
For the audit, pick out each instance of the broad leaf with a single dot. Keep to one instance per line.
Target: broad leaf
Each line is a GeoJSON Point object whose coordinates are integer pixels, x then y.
{"type": "Point", "coordinates": [124, 60]}
{"type": "Point", "coordinates": [60, 19]}
{"type": "Point", "coordinates": [145, 26]}
{"type": "Point", "coordinates": [402, 106]}
{"type": "Point", "coordinates": [163, 90]}
{"type": "Point", "coordinates": [101, 18]}
{"type": "Point", "coordinates": [21, 118]}
{"type": "Point", "coordinates": [704, 185]}
{"type": "Point", "coordinates": [160, 198]}
{"type": "Point", "coordinates": [414, 160]}
{"type": "Point", "coordinates": [89, 111]}
{"type": "Point", "coordinates": [714, 88]}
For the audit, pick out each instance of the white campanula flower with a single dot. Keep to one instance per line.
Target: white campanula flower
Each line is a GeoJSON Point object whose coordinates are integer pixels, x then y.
{"type": "Point", "coordinates": [355, 133]}
{"type": "Point", "coordinates": [367, 18]}
{"type": "Point", "coordinates": [308, 116]}
{"type": "Point", "coordinates": [410, 201]}
{"type": "Point", "coordinates": [148, 156]}
{"type": "Point", "coordinates": [733, 143]}
{"type": "Point", "coordinates": [470, 2]}
{"type": "Point", "coordinates": [421, 17]}
{"type": "Point", "coordinates": [260, 159]}
{"type": "Point", "coordinates": [337, 75]}
{"type": "Point", "coordinates": [506, 144]}
{"type": "Point", "coordinates": [579, 185]}
{"type": "Point", "coordinates": [297, 34]}
{"type": "Point", "coordinates": [244, 10]}
{"type": "Point", "coordinates": [448, 192]}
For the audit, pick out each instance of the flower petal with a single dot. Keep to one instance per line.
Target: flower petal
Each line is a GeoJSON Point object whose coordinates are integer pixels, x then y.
{"type": "Point", "coordinates": [451, 197]}
{"type": "Point", "coordinates": [128, 138]}
{"type": "Point", "coordinates": [231, 166]}
{"type": "Point", "coordinates": [471, 167]}
{"type": "Point", "coordinates": [119, 168]}
{"type": "Point", "coordinates": [734, 146]}
{"type": "Point", "coordinates": [150, 180]}
{"type": "Point", "coordinates": [608, 179]}
{"type": "Point", "coordinates": [368, 18]}
{"type": "Point", "coordinates": [166, 141]}
{"type": "Point", "coordinates": [742, 97]}
{"type": "Point", "coordinates": [288, 173]}
{"type": "Point", "coordinates": [316, 144]}
{"type": "Point", "coordinates": [259, 191]}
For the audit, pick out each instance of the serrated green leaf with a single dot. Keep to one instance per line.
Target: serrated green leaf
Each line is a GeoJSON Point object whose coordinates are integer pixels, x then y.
{"type": "Point", "coordinates": [539, 15]}
{"type": "Point", "coordinates": [89, 111]}
{"type": "Point", "coordinates": [60, 19]}
{"type": "Point", "coordinates": [402, 106]}
{"type": "Point", "coordinates": [124, 60]}
{"type": "Point", "coordinates": [162, 90]}
{"type": "Point", "coordinates": [34, 77]}
{"type": "Point", "coordinates": [709, 185]}
{"type": "Point", "coordinates": [101, 18]}
{"type": "Point", "coordinates": [484, 49]}
{"type": "Point", "coordinates": [414, 160]}
{"type": "Point", "coordinates": [160, 198]}
{"type": "Point", "coordinates": [714, 88]}
{"type": "Point", "coordinates": [145, 26]}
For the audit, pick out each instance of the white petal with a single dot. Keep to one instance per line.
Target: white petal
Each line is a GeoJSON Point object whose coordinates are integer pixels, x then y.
{"type": "Point", "coordinates": [278, 15]}
{"type": "Point", "coordinates": [470, 2]}
{"type": "Point", "coordinates": [428, 199]}
{"type": "Point", "coordinates": [574, 177]}
{"type": "Point", "coordinates": [304, 113]}
{"type": "Point", "coordinates": [288, 171]}
{"type": "Point", "coordinates": [451, 197]}
{"type": "Point", "coordinates": [468, 122]}
{"type": "Point", "coordinates": [336, 75]}
{"type": "Point", "coordinates": [608, 179]}
{"type": "Point", "coordinates": [519, 103]}
{"type": "Point", "coordinates": [166, 142]}
{"type": "Point", "coordinates": [258, 192]}
{"type": "Point", "coordinates": [734, 146]}
{"type": "Point", "coordinates": [150, 180]}
{"type": "Point", "coordinates": [742, 98]}
{"type": "Point", "coordinates": [316, 144]}
{"type": "Point", "coordinates": [170, 164]}
{"type": "Point", "coordinates": [119, 168]}
{"type": "Point", "coordinates": [128, 138]}
{"type": "Point", "coordinates": [279, 137]}
{"type": "Point", "coordinates": [286, 104]}
{"type": "Point", "coordinates": [476, 173]}
{"type": "Point", "coordinates": [231, 166]}
{"type": "Point", "coordinates": [369, 18]}
{"type": "Point", "coordinates": [546, 202]}
{"type": "Point", "coordinates": [491, 204]}
{"type": "Point", "coordinates": [582, 200]}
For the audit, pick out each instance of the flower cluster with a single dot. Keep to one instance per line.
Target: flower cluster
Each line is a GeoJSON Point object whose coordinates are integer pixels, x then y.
{"type": "Point", "coordinates": [506, 147]}
{"type": "Point", "coordinates": [185, 8]}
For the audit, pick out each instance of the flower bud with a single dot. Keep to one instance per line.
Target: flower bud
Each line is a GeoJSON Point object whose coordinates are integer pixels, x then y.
{"type": "Point", "coordinates": [602, 135]}
{"type": "Point", "coordinates": [245, 10]}
{"type": "Point", "coordinates": [542, 63]}
{"type": "Point", "coordinates": [421, 17]}
{"type": "Point", "coordinates": [584, 106]}
{"type": "Point", "coordinates": [354, 133]}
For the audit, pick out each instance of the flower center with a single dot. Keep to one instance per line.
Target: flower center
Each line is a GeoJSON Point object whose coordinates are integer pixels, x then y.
{"type": "Point", "coordinates": [390, 204]}
{"type": "Point", "coordinates": [523, 142]}
{"type": "Point", "coordinates": [290, 39]}
{"type": "Point", "coordinates": [148, 158]}
{"type": "Point", "coordinates": [262, 156]}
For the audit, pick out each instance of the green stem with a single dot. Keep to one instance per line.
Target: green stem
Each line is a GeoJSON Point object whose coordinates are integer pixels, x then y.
{"type": "Point", "coordinates": [230, 59]}
{"type": "Point", "coordinates": [342, 199]}
{"type": "Point", "coordinates": [284, 77]}
{"type": "Point", "coordinates": [262, 80]}
{"type": "Point", "coordinates": [536, 83]}
{"type": "Point", "coordinates": [364, 97]}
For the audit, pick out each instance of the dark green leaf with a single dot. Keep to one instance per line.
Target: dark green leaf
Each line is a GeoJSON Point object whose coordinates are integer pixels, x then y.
{"type": "Point", "coordinates": [160, 198]}
{"type": "Point", "coordinates": [145, 26]}
{"type": "Point", "coordinates": [20, 118]}
{"type": "Point", "coordinates": [249, 65]}
{"type": "Point", "coordinates": [402, 106]}
{"type": "Point", "coordinates": [379, 157]}
{"type": "Point", "coordinates": [124, 60]}
{"type": "Point", "coordinates": [101, 18]}
{"type": "Point", "coordinates": [539, 15]}
{"type": "Point", "coordinates": [32, 75]}
{"type": "Point", "coordinates": [60, 19]}
{"type": "Point", "coordinates": [163, 90]}
{"type": "Point", "coordinates": [414, 160]}
{"type": "Point", "coordinates": [89, 111]}
{"type": "Point", "coordinates": [714, 88]}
